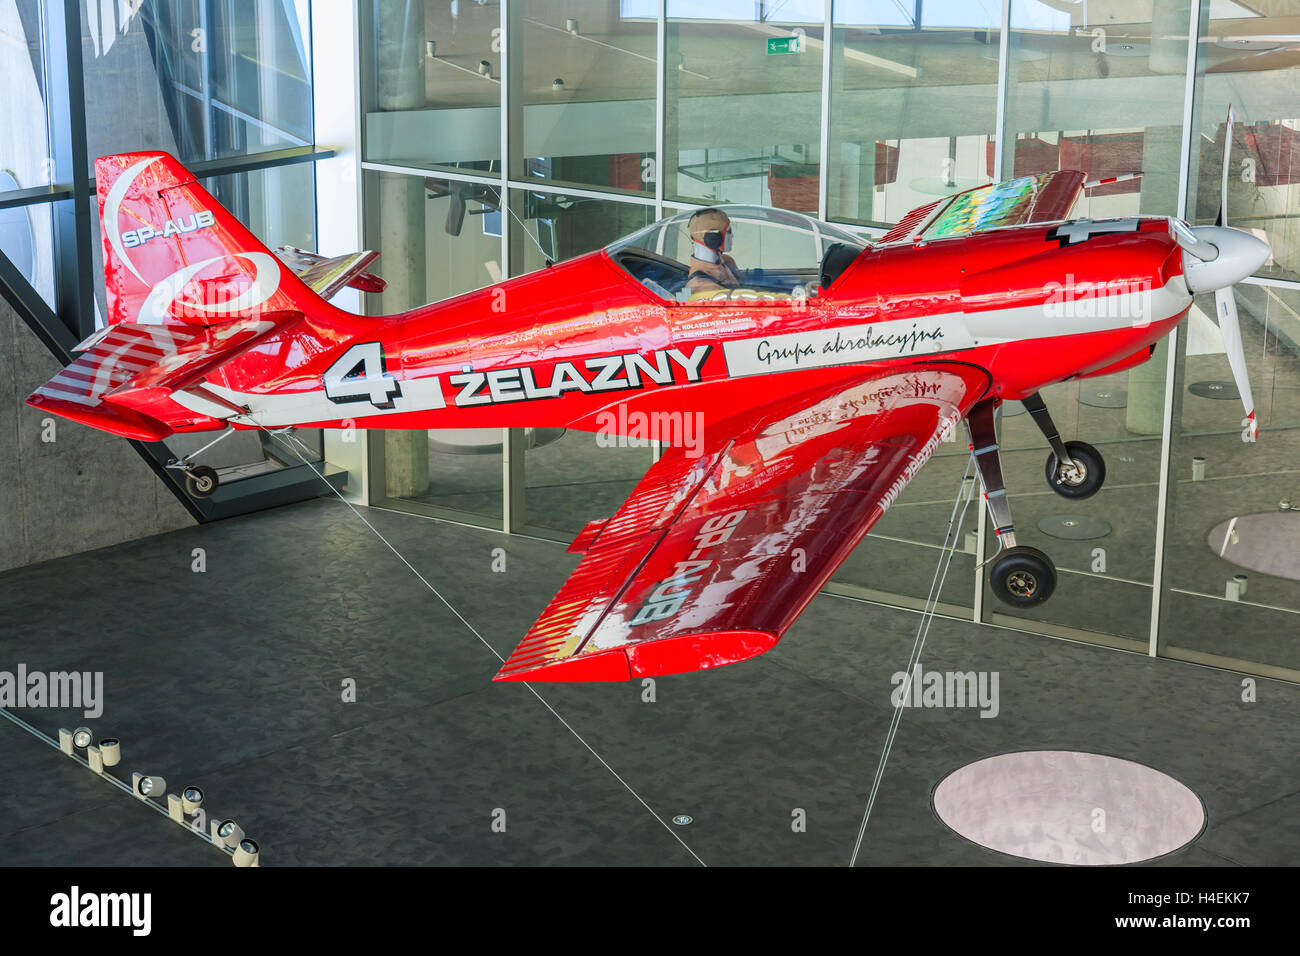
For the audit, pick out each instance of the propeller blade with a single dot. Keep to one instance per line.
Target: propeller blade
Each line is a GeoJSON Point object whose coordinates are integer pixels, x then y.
{"type": "Point", "coordinates": [1225, 305]}
{"type": "Point", "coordinates": [1222, 218]}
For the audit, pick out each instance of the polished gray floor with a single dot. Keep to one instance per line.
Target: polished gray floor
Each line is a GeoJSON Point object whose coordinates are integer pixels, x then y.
{"type": "Point", "coordinates": [231, 679]}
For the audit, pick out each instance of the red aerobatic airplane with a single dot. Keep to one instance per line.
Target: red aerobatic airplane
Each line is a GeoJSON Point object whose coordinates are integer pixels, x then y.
{"type": "Point", "coordinates": [827, 370]}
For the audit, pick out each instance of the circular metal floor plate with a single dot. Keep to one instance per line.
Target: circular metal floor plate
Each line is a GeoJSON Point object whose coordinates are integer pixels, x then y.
{"type": "Point", "coordinates": [1264, 542]}
{"type": "Point", "coordinates": [1219, 391]}
{"type": "Point", "coordinates": [1064, 806]}
{"type": "Point", "coordinates": [1074, 527]}
{"type": "Point", "coordinates": [1103, 397]}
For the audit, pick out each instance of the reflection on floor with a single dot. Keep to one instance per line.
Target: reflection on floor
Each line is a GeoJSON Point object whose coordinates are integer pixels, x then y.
{"type": "Point", "coordinates": [230, 679]}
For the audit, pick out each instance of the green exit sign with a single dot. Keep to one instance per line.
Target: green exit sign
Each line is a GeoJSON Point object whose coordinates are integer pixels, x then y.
{"type": "Point", "coordinates": [782, 45]}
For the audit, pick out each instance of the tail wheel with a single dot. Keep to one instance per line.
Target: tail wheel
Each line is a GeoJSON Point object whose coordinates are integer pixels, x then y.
{"type": "Point", "coordinates": [1022, 577]}
{"type": "Point", "coordinates": [1081, 481]}
{"type": "Point", "coordinates": [201, 481]}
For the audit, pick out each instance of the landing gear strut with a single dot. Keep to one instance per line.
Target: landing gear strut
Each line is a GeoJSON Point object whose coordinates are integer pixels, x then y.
{"type": "Point", "coordinates": [1075, 469]}
{"type": "Point", "coordinates": [200, 480]}
{"type": "Point", "coordinates": [1020, 576]}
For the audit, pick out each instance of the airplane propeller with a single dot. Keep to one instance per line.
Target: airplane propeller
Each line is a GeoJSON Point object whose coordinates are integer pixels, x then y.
{"type": "Point", "coordinates": [1215, 258]}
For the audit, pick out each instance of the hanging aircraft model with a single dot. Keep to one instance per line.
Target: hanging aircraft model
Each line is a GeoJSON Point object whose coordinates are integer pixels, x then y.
{"type": "Point", "coordinates": [825, 378]}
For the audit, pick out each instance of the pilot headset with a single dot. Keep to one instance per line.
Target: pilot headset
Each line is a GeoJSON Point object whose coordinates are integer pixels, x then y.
{"type": "Point", "coordinates": [716, 240]}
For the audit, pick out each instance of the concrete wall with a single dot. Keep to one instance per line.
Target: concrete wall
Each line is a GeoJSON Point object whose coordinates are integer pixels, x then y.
{"type": "Point", "coordinates": [81, 491]}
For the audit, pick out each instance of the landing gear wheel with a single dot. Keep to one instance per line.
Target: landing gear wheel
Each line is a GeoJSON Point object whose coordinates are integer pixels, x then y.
{"type": "Point", "coordinates": [201, 481]}
{"type": "Point", "coordinates": [1082, 481]}
{"type": "Point", "coordinates": [1022, 577]}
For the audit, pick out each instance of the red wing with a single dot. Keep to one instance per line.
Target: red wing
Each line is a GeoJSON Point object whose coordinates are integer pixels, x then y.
{"type": "Point", "coordinates": [711, 559]}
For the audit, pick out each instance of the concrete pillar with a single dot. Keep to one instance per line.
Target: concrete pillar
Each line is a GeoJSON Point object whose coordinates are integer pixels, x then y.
{"type": "Point", "coordinates": [400, 73]}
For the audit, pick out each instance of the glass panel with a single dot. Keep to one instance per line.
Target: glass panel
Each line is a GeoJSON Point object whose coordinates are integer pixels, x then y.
{"type": "Point", "coordinates": [201, 79]}
{"type": "Point", "coordinates": [1099, 88]}
{"type": "Point", "coordinates": [554, 227]}
{"type": "Point", "coordinates": [913, 104]}
{"type": "Point", "coordinates": [1234, 505]}
{"type": "Point", "coordinates": [587, 95]}
{"type": "Point", "coordinates": [1252, 63]}
{"type": "Point", "coordinates": [25, 144]}
{"type": "Point", "coordinates": [743, 102]}
{"type": "Point", "coordinates": [27, 238]}
{"type": "Point", "coordinates": [431, 83]}
{"type": "Point", "coordinates": [437, 239]}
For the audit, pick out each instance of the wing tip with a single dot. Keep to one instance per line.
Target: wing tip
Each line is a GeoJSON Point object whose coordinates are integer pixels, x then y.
{"type": "Point", "coordinates": [605, 666]}
{"type": "Point", "coordinates": [653, 658]}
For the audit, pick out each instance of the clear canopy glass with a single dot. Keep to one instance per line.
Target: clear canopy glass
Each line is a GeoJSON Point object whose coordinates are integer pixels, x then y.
{"type": "Point", "coordinates": [776, 254]}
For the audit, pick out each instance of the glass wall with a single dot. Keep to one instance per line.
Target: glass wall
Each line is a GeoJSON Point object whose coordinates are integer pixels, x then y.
{"type": "Point", "coordinates": [432, 92]}
{"type": "Point", "coordinates": [227, 88]}
{"type": "Point", "coordinates": [597, 116]}
{"type": "Point", "coordinates": [199, 79]}
{"type": "Point", "coordinates": [587, 88]}
{"type": "Point", "coordinates": [913, 105]}
{"type": "Point", "coordinates": [742, 110]}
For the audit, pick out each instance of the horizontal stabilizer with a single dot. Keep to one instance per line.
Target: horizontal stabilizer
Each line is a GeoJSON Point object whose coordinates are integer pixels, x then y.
{"type": "Point", "coordinates": [123, 380]}
{"type": "Point", "coordinates": [325, 276]}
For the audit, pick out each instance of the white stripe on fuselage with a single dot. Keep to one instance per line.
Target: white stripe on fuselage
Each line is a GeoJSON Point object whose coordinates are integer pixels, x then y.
{"type": "Point", "coordinates": [294, 408]}
{"type": "Point", "coordinates": [815, 348]}
{"type": "Point", "coordinates": [955, 331]}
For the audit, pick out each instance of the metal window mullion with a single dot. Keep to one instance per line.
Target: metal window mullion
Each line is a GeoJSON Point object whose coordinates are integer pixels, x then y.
{"type": "Point", "coordinates": [661, 105]}
{"type": "Point", "coordinates": [823, 167]}
{"type": "Point", "coordinates": [1004, 69]}
{"type": "Point", "coordinates": [661, 108]}
{"type": "Point", "coordinates": [66, 97]}
{"type": "Point", "coordinates": [1189, 94]}
{"type": "Point", "coordinates": [1167, 421]}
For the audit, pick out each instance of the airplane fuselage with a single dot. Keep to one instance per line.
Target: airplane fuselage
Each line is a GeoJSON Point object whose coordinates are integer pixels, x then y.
{"type": "Point", "coordinates": [570, 344]}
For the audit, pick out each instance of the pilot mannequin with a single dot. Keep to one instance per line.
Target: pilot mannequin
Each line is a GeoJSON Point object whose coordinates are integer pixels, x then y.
{"type": "Point", "coordinates": [711, 269]}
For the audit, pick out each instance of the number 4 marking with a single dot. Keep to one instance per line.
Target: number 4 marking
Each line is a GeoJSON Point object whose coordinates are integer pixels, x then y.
{"type": "Point", "coordinates": [361, 376]}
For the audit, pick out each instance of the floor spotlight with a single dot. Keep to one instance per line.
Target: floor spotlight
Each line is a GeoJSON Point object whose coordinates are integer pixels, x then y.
{"type": "Point", "coordinates": [65, 740]}
{"type": "Point", "coordinates": [82, 738]}
{"type": "Point", "coordinates": [110, 748]}
{"type": "Point", "coordinates": [485, 68]}
{"type": "Point", "coordinates": [95, 759]}
{"type": "Point", "coordinates": [246, 853]}
{"type": "Point", "coordinates": [230, 833]}
{"type": "Point", "coordinates": [145, 787]}
{"type": "Point", "coordinates": [191, 799]}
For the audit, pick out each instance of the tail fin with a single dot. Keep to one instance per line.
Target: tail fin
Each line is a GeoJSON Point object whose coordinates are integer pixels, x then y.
{"type": "Point", "coordinates": [172, 254]}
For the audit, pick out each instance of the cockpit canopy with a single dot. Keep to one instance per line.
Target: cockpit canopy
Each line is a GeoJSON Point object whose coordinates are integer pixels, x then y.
{"type": "Point", "coordinates": [779, 255]}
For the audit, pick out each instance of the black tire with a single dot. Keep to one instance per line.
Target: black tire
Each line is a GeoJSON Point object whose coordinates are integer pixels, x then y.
{"type": "Point", "coordinates": [1082, 483]}
{"type": "Point", "coordinates": [201, 481]}
{"type": "Point", "coordinates": [1022, 577]}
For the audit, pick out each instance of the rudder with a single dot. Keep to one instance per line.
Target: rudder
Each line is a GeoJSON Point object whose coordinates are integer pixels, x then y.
{"type": "Point", "coordinates": [172, 253]}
